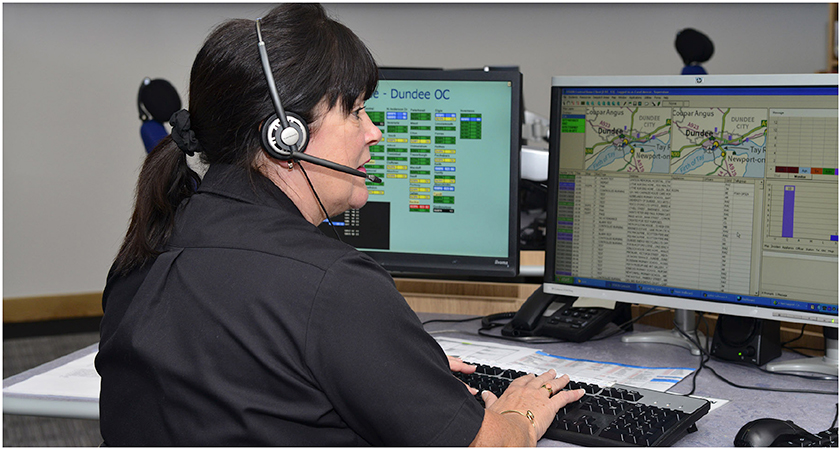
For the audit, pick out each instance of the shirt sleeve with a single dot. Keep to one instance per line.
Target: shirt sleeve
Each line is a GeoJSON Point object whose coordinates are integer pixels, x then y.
{"type": "Point", "coordinates": [386, 377]}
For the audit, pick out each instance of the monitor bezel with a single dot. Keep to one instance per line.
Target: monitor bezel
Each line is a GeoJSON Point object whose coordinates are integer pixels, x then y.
{"type": "Point", "coordinates": [672, 302]}
{"type": "Point", "coordinates": [459, 266]}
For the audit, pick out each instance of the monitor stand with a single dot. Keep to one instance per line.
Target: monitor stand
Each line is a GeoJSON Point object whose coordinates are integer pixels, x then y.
{"type": "Point", "coordinates": [684, 320]}
{"type": "Point", "coordinates": [828, 365]}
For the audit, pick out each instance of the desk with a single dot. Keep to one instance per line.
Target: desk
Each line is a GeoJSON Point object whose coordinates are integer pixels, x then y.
{"type": "Point", "coordinates": [813, 412]}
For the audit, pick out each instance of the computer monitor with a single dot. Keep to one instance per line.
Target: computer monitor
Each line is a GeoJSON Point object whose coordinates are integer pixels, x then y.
{"type": "Point", "coordinates": [449, 164]}
{"type": "Point", "coordinates": [713, 193]}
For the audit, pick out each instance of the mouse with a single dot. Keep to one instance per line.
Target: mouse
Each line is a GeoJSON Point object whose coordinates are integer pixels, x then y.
{"type": "Point", "coordinates": [765, 431]}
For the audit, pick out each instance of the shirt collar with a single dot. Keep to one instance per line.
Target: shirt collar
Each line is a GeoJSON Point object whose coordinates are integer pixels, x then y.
{"type": "Point", "coordinates": [244, 185]}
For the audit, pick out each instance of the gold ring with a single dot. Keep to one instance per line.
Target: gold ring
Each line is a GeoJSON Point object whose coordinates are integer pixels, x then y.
{"type": "Point", "coordinates": [548, 387]}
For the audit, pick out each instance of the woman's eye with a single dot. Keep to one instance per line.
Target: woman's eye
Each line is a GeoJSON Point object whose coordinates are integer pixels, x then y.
{"type": "Point", "coordinates": [357, 112]}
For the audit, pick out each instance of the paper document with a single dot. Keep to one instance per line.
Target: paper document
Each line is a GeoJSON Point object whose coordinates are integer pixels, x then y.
{"type": "Point", "coordinates": [76, 379]}
{"type": "Point", "coordinates": [603, 374]}
{"type": "Point", "coordinates": [484, 353]}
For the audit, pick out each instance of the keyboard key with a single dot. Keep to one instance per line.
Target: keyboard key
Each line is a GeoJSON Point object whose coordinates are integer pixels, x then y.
{"type": "Point", "coordinates": [633, 396]}
{"type": "Point", "coordinates": [611, 433]}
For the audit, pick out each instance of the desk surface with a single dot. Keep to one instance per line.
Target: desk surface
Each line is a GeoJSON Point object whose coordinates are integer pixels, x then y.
{"type": "Point", "coordinates": [813, 412]}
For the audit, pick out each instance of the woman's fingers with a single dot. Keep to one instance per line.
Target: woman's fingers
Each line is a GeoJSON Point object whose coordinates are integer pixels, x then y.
{"type": "Point", "coordinates": [563, 397]}
{"type": "Point", "coordinates": [488, 397]}
{"type": "Point", "coordinates": [456, 365]}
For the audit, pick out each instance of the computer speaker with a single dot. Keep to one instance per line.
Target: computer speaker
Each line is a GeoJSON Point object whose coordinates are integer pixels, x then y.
{"type": "Point", "coordinates": [750, 340]}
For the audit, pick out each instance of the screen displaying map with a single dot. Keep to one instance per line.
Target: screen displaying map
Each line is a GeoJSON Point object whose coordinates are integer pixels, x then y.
{"type": "Point", "coordinates": [723, 193]}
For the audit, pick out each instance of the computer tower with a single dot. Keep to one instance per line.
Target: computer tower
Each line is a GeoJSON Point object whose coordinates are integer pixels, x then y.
{"type": "Point", "coordinates": [750, 340]}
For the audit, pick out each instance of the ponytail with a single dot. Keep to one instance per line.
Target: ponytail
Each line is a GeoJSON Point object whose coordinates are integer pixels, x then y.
{"type": "Point", "coordinates": [165, 181]}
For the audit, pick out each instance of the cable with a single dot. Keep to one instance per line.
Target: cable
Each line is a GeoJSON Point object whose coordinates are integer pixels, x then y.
{"type": "Point", "coordinates": [445, 331]}
{"type": "Point", "coordinates": [703, 364]}
{"type": "Point", "coordinates": [529, 340]}
{"type": "Point", "coordinates": [464, 320]}
{"type": "Point", "coordinates": [331, 225]}
{"type": "Point", "coordinates": [796, 338]}
{"type": "Point", "coordinates": [795, 349]}
{"type": "Point", "coordinates": [781, 390]}
{"type": "Point", "coordinates": [704, 355]}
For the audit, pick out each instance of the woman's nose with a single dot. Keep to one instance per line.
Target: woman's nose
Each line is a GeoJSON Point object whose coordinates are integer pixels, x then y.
{"type": "Point", "coordinates": [374, 133]}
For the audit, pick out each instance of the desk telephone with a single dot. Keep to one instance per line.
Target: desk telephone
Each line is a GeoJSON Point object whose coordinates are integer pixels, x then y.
{"type": "Point", "coordinates": [544, 314]}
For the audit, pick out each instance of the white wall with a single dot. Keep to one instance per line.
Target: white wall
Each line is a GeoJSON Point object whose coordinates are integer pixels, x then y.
{"type": "Point", "coordinates": [71, 146]}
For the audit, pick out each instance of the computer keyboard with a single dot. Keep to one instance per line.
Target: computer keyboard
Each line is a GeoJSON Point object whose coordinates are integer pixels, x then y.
{"type": "Point", "coordinates": [613, 416]}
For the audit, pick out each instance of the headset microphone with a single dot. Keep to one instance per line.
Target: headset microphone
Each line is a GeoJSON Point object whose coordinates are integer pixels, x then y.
{"type": "Point", "coordinates": [334, 166]}
{"type": "Point", "coordinates": [285, 135]}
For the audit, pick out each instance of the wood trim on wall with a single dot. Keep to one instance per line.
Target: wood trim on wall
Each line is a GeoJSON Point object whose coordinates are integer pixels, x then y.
{"type": "Point", "coordinates": [45, 308]}
{"type": "Point", "coordinates": [463, 297]}
{"type": "Point", "coordinates": [532, 258]}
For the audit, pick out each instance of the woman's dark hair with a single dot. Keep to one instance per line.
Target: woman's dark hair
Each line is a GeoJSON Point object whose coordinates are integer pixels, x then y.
{"type": "Point", "coordinates": [313, 58]}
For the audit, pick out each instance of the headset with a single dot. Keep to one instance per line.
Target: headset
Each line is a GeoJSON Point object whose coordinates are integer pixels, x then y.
{"type": "Point", "coordinates": [285, 135]}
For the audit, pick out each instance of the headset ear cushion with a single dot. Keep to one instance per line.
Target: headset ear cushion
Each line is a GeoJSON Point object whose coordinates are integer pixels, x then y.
{"type": "Point", "coordinates": [271, 130]}
{"type": "Point", "coordinates": [302, 127]}
{"type": "Point", "coordinates": [270, 143]}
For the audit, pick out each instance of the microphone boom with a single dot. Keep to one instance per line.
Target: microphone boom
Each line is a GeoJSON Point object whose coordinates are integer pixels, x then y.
{"type": "Point", "coordinates": [334, 166]}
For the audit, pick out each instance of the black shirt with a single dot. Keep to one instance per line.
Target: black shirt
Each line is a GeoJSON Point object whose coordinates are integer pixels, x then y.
{"type": "Point", "coordinates": [254, 328]}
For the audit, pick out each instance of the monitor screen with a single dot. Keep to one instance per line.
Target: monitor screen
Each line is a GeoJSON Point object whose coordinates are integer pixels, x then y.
{"type": "Point", "coordinates": [715, 193]}
{"type": "Point", "coordinates": [449, 165]}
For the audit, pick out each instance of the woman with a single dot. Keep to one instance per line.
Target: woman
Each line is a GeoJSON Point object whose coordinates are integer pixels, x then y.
{"type": "Point", "coordinates": [230, 319]}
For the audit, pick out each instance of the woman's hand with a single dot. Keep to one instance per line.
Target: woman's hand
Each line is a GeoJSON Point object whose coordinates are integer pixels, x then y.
{"type": "Point", "coordinates": [459, 366]}
{"type": "Point", "coordinates": [541, 395]}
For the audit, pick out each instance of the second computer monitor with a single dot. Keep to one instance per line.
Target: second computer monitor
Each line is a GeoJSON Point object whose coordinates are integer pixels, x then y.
{"type": "Point", "coordinates": [449, 165]}
{"type": "Point", "coordinates": [714, 193]}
